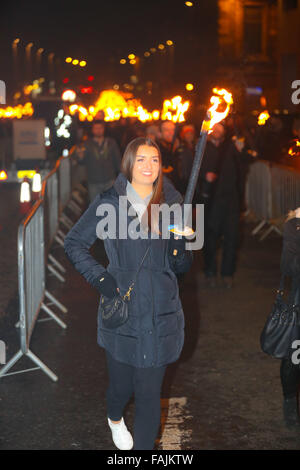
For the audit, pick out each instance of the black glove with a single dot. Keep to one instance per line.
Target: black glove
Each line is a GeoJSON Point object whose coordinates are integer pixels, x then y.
{"type": "Point", "coordinates": [107, 285]}
{"type": "Point", "coordinates": [178, 245]}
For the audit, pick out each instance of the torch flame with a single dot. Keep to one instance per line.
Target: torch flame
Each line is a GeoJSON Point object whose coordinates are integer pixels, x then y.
{"type": "Point", "coordinates": [263, 117]}
{"type": "Point", "coordinates": [294, 151]}
{"type": "Point", "coordinates": [174, 109]}
{"type": "Point", "coordinates": [221, 96]}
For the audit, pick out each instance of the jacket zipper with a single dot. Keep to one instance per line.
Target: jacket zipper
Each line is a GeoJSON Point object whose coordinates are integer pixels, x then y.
{"type": "Point", "coordinates": [153, 319]}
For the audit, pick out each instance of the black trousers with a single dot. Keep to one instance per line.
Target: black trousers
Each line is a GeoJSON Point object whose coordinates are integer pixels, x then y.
{"type": "Point", "coordinates": [222, 219]}
{"type": "Point", "coordinates": [145, 384]}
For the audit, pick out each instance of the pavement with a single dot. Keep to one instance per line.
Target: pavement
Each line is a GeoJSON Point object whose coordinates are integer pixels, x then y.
{"type": "Point", "coordinates": [222, 393]}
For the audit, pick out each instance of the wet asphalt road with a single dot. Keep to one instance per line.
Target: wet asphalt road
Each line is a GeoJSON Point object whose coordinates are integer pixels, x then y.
{"type": "Point", "coordinates": [223, 392]}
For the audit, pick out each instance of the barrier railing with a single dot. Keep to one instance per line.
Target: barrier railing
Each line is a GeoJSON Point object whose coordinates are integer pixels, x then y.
{"type": "Point", "coordinates": [271, 191]}
{"type": "Point", "coordinates": [36, 234]}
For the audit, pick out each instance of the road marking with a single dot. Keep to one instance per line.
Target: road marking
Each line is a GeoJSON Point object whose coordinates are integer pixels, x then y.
{"type": "Point", "coordinates": [175, 424]}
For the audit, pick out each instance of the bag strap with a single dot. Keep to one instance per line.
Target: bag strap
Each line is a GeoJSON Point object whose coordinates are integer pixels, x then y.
{"type": "Point", "coordinates": [127, 295]}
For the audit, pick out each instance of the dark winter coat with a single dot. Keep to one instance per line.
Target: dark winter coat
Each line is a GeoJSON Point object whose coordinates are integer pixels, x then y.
{"type": "Point", "coordinates": [154, 333]}
{"type": "Point", "coordinates": [290, 256]}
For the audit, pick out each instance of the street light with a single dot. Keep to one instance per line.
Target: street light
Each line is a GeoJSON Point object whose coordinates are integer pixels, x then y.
{"type": "Point", "coordinates": [75, 62]}
{"type": "Point", "coordinates": [69, 60]}
{"type": "Point", "coordinates": [123, 61]}
{"type": "Point", "coordinates": [82, 63]}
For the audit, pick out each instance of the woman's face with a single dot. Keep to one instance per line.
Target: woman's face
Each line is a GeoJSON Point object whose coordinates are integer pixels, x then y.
{"type": "Point", "coordinates": [146, 166]}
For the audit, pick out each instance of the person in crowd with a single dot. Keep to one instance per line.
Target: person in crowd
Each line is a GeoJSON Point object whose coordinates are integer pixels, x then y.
{"type": "Point", "coordinates": [138, 351]}
{"type": "Point", "coordinates": [185, 156]}
{"type": "Point", "coordinates": [290, 266]}
{"type": "Point", "coordinates": [168, 144]}
{"type": "Point", "coordinates": [101, 156]}
{"type": "Point", "coordinates": [152, 131]}
{"type": "Point", "coordinates": [206, 184]}
{"type": "Point", "coordinates": [224, 206]}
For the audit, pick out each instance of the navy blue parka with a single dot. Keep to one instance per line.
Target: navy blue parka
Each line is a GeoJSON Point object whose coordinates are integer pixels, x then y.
{"type": "Point", "coordinates": [154, 333]}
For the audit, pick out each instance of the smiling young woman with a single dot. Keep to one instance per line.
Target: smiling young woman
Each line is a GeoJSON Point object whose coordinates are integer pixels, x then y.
{"type": "Point", "coordinates": [137, 352]}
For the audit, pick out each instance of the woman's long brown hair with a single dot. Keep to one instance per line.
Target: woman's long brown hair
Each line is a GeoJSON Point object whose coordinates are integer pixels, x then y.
{"type": "Point", "coordinates": [127, 164]}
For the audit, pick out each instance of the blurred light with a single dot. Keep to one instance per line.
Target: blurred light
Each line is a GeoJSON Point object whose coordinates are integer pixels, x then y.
{"type": "Point", "coordinates": [91, 78]}
{"type": "Point", "coordinates": [161, 46]}
{"type": "Point", "coordinates": [69, 59]}
{"type": "Point", "coordinates": [3, 175]}
{"type": "Point", "coordinates": [131, 56]}
{"type": "Point", "coordinates": [82, 63]}
{"type": "Point", "coordinates": [189, 4]}
{"type": "Point", "coordinates": [116, 87]}
{"type": "Point", "coordinates": [66, 80]}
{"type": "Point", "coordinates": [155, 114]}
{"type": "Point", "coordinates": [65, 152]}
{"type": "Point", "coordinates": [25, 174]}
{"type": "Point", "coordinates": [46, 132]}
{"type": "Point", "coordinates": [36, 183]}
{"type": "Point", "coordinates": [86, 89]}
{"type": "Point", "coordinates": [147, 54]}
{"type": "Point", "coordinates": [152, 49]}
{"type": "Point", "coordinates": [123, 61]}
{"type": "Point", "coordinates": [263, 117]}
{"type": "Point", "coordinates": [25, 192]}
{"type": "Point", "coordinates": [16, 41]}
{"type": "Point", "coordinates": [68, 95]}
{"type": "Point", "coordinates": [189, 86]}
{"type": "Point", "coordinates": [169, 42]}
{"type": "Point", "coordinates": [133, 61]}
{"type": "Point", "coordinates": [75, 62]}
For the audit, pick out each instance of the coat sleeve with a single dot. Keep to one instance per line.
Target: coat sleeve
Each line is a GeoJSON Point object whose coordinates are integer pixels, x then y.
{"type": "Point", "coordinates": [78, 242]}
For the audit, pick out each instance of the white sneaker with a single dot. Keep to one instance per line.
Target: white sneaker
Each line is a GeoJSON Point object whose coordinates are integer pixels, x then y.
{"type": "Point", "coordinates": [120, 435]}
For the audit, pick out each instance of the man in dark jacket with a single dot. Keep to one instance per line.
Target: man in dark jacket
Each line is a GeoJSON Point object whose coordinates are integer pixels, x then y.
{"type": "Point", "coordinates": [224, 213]}
{"type": "Point", "coordinates": [101, 156]}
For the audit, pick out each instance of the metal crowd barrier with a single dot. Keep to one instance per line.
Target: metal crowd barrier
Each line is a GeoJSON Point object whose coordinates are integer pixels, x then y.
{"type": "Point", "coordinates": [271, 191]}
{"type": "Point", "coordinates": [36, 235]}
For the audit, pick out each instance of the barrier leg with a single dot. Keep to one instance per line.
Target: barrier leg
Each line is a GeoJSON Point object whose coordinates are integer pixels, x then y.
{"type": "Point", "coordinates": [11, 363]}
{"type": "Point", "coordinates": [77, 198]}
{"type": "Point", "coordinates": [41, 365]}
{"type": "Point", "coordinates": [52, 314]}
{"type": "Point", "coordinates": [66, 221]}
{"type": "Point", "coordinates": [56, 263]}
{"type": "Point", "coordinates": [56, 302]}
{"type": "Point", "coordinates": [55, 273]}
{"type": "Point", "coordinates": [258, 227]}
{"type": "Point", "coordinates": [270, 229]}
{"type": "Point", "coordinates": [61, 234]}
{"type": "Point", "coordinates": [74, 207]}
{"type": "Point", "coordinates": [59, 240]}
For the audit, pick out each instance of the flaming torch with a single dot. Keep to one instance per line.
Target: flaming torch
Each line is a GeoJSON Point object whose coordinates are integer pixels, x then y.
{"type": "Point", "coordinates": [221, 97]}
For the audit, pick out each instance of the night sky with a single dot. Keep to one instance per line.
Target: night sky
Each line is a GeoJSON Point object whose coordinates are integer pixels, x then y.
{"type": "Point", "coordinates": [104, 32]}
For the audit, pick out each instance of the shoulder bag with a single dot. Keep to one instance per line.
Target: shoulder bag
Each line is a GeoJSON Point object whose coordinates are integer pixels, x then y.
{"type": "Point", "coordinates": [114, 312]}
{"type": "Point", "coordinates": [282, 327]}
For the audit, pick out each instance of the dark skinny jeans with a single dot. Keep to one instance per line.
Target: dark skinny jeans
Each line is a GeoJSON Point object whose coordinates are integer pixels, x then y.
{"type": "Point", "coordinates": [145, 384]}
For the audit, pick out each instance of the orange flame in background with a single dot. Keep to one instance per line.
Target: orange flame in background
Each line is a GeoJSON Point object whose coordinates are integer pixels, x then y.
{"type": "Point", "coordinates": [16, 111]}
{"type": "Point", "coordinates": [263, 117]}
{"type": "Point", "coordinates": [221, 96]}
{"type": "Point", "coordinates": [294, 150]}
{"type": "Point", "coordinates": [116, 104]}
{"type": "Point", "coordinates": [174, 109]}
